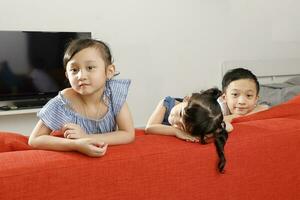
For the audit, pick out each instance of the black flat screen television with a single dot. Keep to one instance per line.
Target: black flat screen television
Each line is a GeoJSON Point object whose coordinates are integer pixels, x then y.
{"type": "Point", "coordinates": [31, 63]}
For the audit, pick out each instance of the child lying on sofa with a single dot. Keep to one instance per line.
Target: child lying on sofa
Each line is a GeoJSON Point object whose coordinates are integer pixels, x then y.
{"type": "Point", "coordinates": [93, 113]}
{"type": "Point", "coordinates": [192, 118]}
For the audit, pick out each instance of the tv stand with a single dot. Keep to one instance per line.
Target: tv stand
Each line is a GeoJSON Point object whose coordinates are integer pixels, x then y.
{"type": "Point", "coordinates": [19, 120]}
{"type": "Point", "coordinates": [20, 115]}
{"type": "Point", "coordinates": [30, 104]}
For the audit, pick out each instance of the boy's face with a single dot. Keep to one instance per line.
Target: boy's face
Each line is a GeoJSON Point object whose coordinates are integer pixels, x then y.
{"type": "Point", "coordinates": [241, 96]}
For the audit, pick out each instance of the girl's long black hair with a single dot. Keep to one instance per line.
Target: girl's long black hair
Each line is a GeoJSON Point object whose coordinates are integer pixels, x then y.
{"type": "Point", "coordinates": [203, 118]}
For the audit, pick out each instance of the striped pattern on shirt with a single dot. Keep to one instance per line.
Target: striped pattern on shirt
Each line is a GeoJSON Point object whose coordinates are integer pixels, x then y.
{"type": "Point", "coordinates": [58, 111]}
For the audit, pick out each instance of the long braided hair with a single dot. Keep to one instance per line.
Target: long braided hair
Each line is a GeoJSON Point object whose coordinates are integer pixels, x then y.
{"type": "Point", "coordinates": [203, 118]}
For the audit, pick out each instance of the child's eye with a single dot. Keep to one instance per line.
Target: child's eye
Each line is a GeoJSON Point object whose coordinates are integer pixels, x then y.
{"type": "Point", "coordinates": [90, 67]}
{"type": "Point", "coordinates": [249, 96]}
{"type": "Point", "coordinates": [73, 70]}
{"type": "Point", "coordinates": [234, 94]}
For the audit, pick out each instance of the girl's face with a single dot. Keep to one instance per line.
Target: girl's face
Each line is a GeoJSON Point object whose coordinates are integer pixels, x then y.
{"type": "Point", "coordinates": [176, 116]}
{"type": "Point", "coordinates": [86, 71]}
{"type": "Point", "coordinates": [241, 96]}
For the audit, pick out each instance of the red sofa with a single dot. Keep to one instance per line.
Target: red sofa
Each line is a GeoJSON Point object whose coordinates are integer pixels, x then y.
{"type": "Point", "coordinates": [263, 162]}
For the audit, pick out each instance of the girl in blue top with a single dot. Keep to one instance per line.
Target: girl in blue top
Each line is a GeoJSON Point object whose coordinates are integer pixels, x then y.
{"type": "Point", "coordinates": [195, 118]}
{"type": "Point", "coordinates": [95, 104]}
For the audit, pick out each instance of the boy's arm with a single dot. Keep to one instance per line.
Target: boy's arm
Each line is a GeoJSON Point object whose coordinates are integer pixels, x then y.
{"type": "Point", "coordinates": [229, 126]}
{"type": "Point", "coordinates": [259, 108]}
{"type": "Point", "coordinates": [228, 118]}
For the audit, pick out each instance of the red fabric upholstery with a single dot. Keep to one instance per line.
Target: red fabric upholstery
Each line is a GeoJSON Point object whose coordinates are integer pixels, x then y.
{"type": "Point", "coordinates": [13, 142]}
{"type": "Point", "coordinates": [262, 163]}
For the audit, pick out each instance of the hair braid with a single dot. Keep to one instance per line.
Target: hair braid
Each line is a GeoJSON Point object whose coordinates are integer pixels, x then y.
{"type": "Point", "coordinates": [203, 117]}
{"type": "Point", "coordinates": [220, 141]}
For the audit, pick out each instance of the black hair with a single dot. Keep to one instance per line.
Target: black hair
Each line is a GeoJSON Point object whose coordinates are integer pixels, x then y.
{"type": "Point", "coordinates": [203, 117]}
{"type": "Point", "coordinates": [79, 44]}
{"type": "Point", "coordinates": [238, 74]}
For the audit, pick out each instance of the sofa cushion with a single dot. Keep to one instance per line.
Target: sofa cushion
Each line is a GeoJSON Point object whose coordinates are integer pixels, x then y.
{"type": "Point", "coordinates": [13, 142]}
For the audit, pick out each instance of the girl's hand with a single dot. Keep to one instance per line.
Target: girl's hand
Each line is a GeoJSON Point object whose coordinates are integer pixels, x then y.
{"type": "Point", "coordinates": [90, 147]}
{"type": "Point", "coordinates": [73, 131]}
{"type": "Point", "coordinates": [185, 136]}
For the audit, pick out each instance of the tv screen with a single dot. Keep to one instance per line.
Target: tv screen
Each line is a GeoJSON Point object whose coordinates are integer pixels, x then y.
{"type": "Point", "coordinates": [31, 63]}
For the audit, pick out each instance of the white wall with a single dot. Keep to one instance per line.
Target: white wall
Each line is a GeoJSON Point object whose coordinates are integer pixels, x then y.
{"type": "Point", "coordinates": [169, 47]}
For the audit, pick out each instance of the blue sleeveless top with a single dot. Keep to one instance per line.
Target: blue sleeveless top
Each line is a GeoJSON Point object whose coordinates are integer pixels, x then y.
{"type": "Point", "coordinates": [58, 112]}
{"type": "Point", "coordinates": [169, 103]}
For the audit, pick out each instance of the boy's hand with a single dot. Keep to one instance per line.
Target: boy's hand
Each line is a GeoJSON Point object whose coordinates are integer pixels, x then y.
{"type": "Point", "coordinates": [73, 131]}
{"type": "Point", "coordinates": [90, 147]}
{"type": "Point", "coordinates": [229, 118]}
{"type": "Point", "coordinates": [229, 126]}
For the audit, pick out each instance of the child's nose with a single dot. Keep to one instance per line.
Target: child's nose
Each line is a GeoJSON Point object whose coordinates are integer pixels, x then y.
{"type": "Point", "coordinates": [81, 74]}
{"type": "Point", "coordinates": [241, 100]}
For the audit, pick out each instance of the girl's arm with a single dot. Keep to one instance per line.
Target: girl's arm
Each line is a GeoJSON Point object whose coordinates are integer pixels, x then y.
{"type": "Point", "coordinates": [40, 138]}
{"type": "Point", "coordinates": [162, 129]}
{"type": "Point", "coordinates": [158, 114]}
{"type": "Point", "coordinates": [125, 133]}
{"type": "Point", "coordinates": [154, 125]}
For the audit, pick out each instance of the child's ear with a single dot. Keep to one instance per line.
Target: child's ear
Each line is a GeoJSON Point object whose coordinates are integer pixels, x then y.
{"type": "Point", "coordinates": [110, 71]}
{"type": "Point", "coordinates": [186, 98]}
{"type": "Point", "coordinates": [66, 74]}
{"type": "Point", "coordinates": [257, 97]}
{"type": "Point", "coordinates": [223, 97]}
